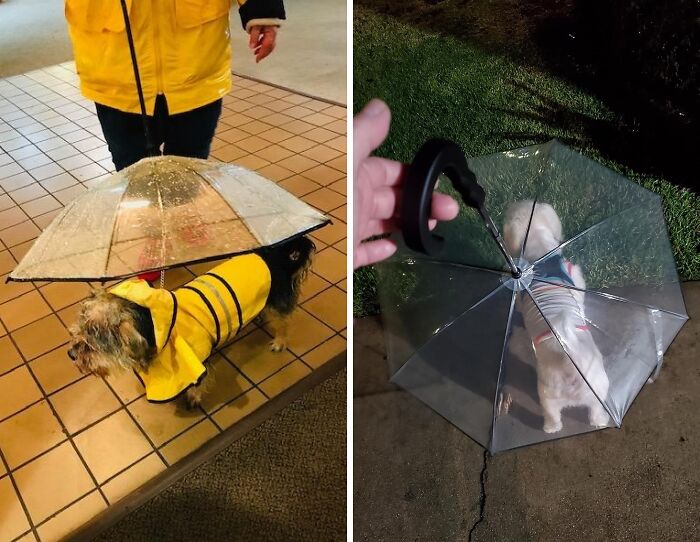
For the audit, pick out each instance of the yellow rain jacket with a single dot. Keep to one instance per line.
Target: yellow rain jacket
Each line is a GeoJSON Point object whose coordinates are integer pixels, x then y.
{"type": "Point", "coordinates": [196, 318]}
{"type": "Point", "coordinates": [182, 48]}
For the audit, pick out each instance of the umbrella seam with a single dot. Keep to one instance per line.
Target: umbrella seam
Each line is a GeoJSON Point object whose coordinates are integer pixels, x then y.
{"type": "Point", "coordinates": [500, 369]}
{"type": "Point", "coordinates": [578, 235]}
{"type": "Point", "coordinates": [235, 213]}
{"type": "Point", "coordinates": [114, 226]}
{"type": "Point", "coordinates": [457, 264]}
{"type": "Point", "coordinates": [458, 317]}
{"type": "Point", "coordinates": [527, 231]}
{"type": "Point", "coordinates": [612, 297]}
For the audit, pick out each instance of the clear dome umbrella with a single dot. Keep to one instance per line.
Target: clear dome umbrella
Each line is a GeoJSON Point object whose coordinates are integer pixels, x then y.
{"type": "Point", "coordinates": [164, 212]}
{"type": "Point", "coordinates": [456, 306]}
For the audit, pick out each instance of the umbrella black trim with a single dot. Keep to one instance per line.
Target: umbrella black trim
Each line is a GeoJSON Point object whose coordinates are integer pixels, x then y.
{"type": "Point", "coordinates": [235, 300]}
{"type": "Point", "coordinates": [613, 297]}
{"type": "Point", "coordinates": [174, 266]}
{"type": "Point", "coordinates": [211, 310]}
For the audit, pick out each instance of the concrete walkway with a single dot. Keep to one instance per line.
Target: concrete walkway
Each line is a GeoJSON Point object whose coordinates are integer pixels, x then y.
{"type": "Point", "coordinates": [418, 478]}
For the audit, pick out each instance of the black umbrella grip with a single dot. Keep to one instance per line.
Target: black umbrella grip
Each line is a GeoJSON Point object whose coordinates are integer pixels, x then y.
{"type": "Point", "coordinates": [435, 157]}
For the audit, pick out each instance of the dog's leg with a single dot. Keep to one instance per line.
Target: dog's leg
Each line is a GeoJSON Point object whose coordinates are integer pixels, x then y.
{"type": "Point", "coordinates": [579, 282]}
{"type": "Point", "coordinates": [597, 415]}
{"type": "Point", "coordinates": [279, 324]}
{"type": "Point", "coordinates": [193, 395]}
{"type": "Point", "coordinates": [552, 416]}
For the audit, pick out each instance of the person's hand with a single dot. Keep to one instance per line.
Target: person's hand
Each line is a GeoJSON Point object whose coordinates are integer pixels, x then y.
{"type": "Point", "coordinates": [262, 41]}
{"type": "Point", "coordinates": [377, 187]}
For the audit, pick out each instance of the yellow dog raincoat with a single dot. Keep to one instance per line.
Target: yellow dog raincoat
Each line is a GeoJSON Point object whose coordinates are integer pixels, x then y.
{"type": "Point", "coordinates": [196, 318]}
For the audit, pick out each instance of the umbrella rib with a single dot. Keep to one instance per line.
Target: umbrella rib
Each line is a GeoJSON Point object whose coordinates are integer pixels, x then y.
{"type": "Point", "coordinates": [228, 204]}
{"type": "Point", "coordinates": [114, 227]}
{"type": "Point", "coordinates": [561, 344]}
{"type": "Point", "coordinates": [500, 368]}
{"type": "Point", "coordinates": [527, 231]}
{"type": "Point", "coordinates": [458, 317]}
{"type": "Point", "coordinates": [584, 232]}
{"type": "Point", "coordinates": [465, 266]}
{"type": "Point", "coordinates": [612, 297]}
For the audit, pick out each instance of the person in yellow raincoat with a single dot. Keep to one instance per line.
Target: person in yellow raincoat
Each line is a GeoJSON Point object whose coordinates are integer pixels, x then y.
{"type": "Point", "coordinates": [184, 59]}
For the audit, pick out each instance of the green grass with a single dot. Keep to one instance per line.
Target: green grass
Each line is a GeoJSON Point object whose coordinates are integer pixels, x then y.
{"type": "Point", "coordinates": [438, 86]}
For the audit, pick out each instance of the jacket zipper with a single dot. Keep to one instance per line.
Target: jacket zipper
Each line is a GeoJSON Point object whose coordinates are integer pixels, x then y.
{"type": "Point", "coordinates": [156, 39]}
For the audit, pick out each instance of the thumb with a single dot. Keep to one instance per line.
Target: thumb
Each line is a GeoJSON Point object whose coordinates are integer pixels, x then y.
{"type": "Point", "coordinates": [254, 37]}
{"type": "Point", "coordinates": [370, 128]}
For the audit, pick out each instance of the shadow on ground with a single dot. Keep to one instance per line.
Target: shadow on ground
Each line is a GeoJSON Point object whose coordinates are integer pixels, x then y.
{"type": "Point", "coordinates": [416, 477]}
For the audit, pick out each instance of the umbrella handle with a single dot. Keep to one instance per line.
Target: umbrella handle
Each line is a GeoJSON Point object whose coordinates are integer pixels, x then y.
{"type": "Point", "coordinates": [435, 157]}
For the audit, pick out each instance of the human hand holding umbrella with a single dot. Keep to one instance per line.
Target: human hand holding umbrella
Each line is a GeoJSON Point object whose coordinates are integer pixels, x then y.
{"type": "Point", "coordinates": [377, 188]}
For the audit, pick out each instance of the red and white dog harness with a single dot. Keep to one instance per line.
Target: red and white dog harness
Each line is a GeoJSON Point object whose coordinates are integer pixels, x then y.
{"type": "Point", "coordinates": [549, 334]}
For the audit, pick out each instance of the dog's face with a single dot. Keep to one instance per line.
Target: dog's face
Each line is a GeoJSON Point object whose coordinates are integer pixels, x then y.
{"type": "Point", "coordinates": [105, 338]}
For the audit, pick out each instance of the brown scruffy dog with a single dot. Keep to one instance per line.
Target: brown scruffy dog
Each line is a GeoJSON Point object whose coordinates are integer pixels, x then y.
{"type": "Point", "coordinates": [167, 336]}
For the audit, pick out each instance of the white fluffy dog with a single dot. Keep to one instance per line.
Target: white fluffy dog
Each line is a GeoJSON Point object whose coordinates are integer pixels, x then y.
{"type": "Point", "coordinates": [559, 382]}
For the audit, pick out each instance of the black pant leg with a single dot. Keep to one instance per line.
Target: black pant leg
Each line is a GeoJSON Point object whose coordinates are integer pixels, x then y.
{"type": "Point", "coordinates": [190, 133]}
{"type": "Point", "coordinates": [124, 135]}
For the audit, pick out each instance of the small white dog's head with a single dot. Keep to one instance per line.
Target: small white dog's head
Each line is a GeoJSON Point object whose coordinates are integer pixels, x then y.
{"type": "Point", "coordinates": [545, 230]}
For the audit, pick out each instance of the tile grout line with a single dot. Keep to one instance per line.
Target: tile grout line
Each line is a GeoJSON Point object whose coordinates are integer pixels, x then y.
{"type": "Point", "coordinates": [53, 161]}
{"type": "Point", "coordinates": [19, 495]}
{"type": "Point", "coordinates": [133, 419]}
{"type": "Point", "coordinates": [54, 312]}
{"type": "Point", "coordinates": [66, 507]}
{"type": "Point", "coordinates": [254, 386]}
{"type": "Point", "coordinates": [55, 413]}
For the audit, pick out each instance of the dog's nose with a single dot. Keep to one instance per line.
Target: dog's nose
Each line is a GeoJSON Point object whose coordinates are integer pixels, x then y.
{"type": "Point", "coordinates": [71, 354]}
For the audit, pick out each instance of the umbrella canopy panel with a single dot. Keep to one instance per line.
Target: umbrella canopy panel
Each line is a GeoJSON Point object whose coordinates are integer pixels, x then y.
{"type": "Point", "coordinates": [162, 212]}
{"type": "Point", "coordinates": [459, 329]}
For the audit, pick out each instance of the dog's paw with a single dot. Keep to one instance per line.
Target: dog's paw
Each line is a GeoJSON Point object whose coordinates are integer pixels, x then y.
{"type": "Point", "coordinates": [194, 398]}
{"type": "Point", "coordinates": [277, 345]}
{"type": "Point", "coordinates": [600, 419]}
{"type": "Point", "coordinates": [552, 427]}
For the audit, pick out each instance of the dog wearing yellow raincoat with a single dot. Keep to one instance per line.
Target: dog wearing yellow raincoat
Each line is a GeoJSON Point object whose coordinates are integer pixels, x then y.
{"type": "Point", "coordinates": [166, 336]}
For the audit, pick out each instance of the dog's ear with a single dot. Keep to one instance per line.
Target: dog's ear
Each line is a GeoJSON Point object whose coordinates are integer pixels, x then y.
{"type": "Point", "coordinates": [135, 345]}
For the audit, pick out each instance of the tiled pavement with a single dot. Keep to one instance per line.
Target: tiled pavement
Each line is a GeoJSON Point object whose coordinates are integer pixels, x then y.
{"type": "Point", "coordinates": [72, 445]}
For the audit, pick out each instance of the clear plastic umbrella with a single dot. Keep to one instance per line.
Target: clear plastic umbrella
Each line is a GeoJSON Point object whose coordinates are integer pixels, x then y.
{"type": "Point", "coordinates": [164, 212]}
{"type": "Point", "coordinates": [461, 311]}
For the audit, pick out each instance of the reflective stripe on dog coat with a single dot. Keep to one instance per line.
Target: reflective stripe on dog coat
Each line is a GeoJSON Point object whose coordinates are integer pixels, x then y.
{"type": "Point", "coordinates": [196, 318]}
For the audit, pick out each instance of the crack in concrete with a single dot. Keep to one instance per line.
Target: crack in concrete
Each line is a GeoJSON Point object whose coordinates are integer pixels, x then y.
{"type": "Point", "coordinates": [482, 494]}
